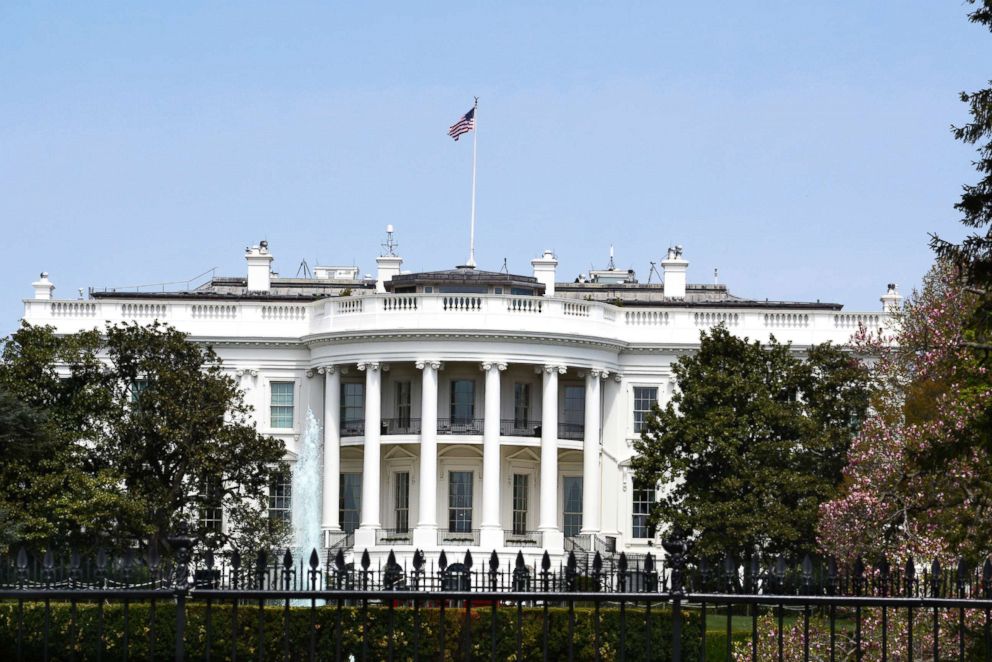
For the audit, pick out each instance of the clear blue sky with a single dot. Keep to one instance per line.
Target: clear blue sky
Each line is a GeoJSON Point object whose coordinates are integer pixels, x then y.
{"type": "Point", "coordinates": [803, 148]}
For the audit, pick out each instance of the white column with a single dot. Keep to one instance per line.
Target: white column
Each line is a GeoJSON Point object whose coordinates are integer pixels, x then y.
{"type": "Point", "coordinates": [548, 519]}
{"type": "Point", "coordinates": [590, 455]}
{"type": "Point", "coordinates": [365, 536]}
{"type": "Point", "coordinates": [425, 534]}
{"type": "Point", "coordinates": [332, 448]}
{"type": "Point", "coordinates": [491, 528]}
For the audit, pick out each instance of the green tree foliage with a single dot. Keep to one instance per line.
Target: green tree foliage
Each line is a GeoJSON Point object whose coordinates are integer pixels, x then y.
{"type": "Point", "coordinates": [119, 434]}
{"type": "Point", "coordinates": [973, 256]}
{"type": "Point", "coordinates": [753, 440]}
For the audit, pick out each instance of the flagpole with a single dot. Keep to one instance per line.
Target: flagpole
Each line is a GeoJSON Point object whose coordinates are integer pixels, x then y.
{"type": "Point", "coordinates": [475, 143]}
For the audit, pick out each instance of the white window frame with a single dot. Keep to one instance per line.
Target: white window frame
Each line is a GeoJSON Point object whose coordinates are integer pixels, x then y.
{"type": "Point", "coordinates": [297, 399]}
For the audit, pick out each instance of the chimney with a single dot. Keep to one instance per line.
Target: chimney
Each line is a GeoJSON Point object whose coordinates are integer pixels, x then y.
{"type": "Point", "coordinates": [259, 267]}
{"type": "Point", "coordinates": [891, 300]}
{"type": "Point", "coordinates": [389, 264]}
{"type": "Point", "coordinates": [673, 269]}
{"type": "Point", "coordinates": [43, 287]}
{"type": "Point", "coordinates": [544, 271]}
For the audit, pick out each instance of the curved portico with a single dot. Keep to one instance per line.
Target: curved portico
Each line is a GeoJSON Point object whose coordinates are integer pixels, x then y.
{"type": "Point", "coordinates": [479, 443]}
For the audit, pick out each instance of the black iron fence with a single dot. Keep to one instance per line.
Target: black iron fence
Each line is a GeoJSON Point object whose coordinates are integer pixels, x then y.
{"type": "Point", "coordinates": [262, 606]}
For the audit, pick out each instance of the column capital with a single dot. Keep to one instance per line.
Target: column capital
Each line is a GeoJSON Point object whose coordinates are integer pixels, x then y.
{"type": "Point", "coordinates": [550, 368]}
{"type": "Point", "coordinates": [311, 372]}
{"type": "Point", "coordinates": [600, 373]}
{"type": "Point", "coordinates": [327, 369]}
{"type": "Point", "coordinates": [486, 366]}
{"type": "Point", "coordinates": [371, 366]}
{"type": "Point", "coordinates": [617, 377]}
{"type": "Point", "coordinates": [433, 364]}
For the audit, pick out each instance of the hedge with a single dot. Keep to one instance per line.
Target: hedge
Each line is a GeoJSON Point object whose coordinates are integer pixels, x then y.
{"type": "Point", "coordinates": [82, 637]}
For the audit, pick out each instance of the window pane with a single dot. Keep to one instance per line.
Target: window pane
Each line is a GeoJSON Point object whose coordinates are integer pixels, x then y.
{"type": "Point", "coordinates": [403, 406]}
{"type": "Point", "coordinates": [281, 497]}
{"type": "Point", "coordinates": [350, 495]}
{"type": "Point", "coordinates": [403, 502]}
{"type": "Point", "coordinates": [643, 500]}
{"type": "Point", "coordinates": [645, 398]}
{"type": "Point", "coordinates": [462, 401]}
{"type": "Point", "coordinates": [460, 501]}
{"type": "Point", "coordinates": [573, 505]}
{"type": "Point", "coordinates": [211, 512]}
{"type": "Point", "coordinates": [282, 404]}
{"type": "Point", "coordinates": [520, 503]}
{"type": "Point", "coordinates": [352, 405]}
{"type": "Point", "coordinates": [521, 405]}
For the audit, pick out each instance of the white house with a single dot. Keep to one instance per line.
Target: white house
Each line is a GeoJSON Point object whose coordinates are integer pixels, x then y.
{"type": "Point", "coordinates": [461, 408]}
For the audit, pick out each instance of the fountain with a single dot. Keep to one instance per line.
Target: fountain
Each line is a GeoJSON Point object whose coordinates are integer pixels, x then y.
{"type": "Point", "coordinates": [307, 497]}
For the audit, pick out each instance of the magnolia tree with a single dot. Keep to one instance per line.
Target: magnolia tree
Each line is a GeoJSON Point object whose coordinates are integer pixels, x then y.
{"type": "Point", "coordinates": [916, 483]}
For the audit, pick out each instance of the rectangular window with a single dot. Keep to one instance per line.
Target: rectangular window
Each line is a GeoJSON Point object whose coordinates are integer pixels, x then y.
{"type": "Point", "coordinates": [211, 511]}
{"type": "Point", "coordinates": [462, 401]}
{"type": "Point", "coordinates": [281, 498]}
{"type": "Point", "coordinates": [352, 407]}
{"type": "Point", "coordinates": [402, 502]}
{"type": "Point", "coordinates": [645, 397]}
{"type": "Point", "coordinates": [520, 482]}
{"type": "Point", "coordinates": [138, 387]}
{"type": "Point", "coordinates": [460, 501]}
{"type": "Point", "coordinates": [574, 419]}
{"type": "Point", "coordinates": [521, 405]}
{"type": "Point", "coordinates": [643, 501]}
{"type": "Point", "coordinates": [572, 520]}
{"type": "Point", "coordinates": [350, 500]}
{"type": "Point", "coordinates": [281, 405]}
{"type": "Point", "coordinates": [403, 405]}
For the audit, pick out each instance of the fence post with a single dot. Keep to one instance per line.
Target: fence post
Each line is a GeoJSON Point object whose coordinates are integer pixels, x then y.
{"type": "Point", "coordinates": [182, 545]}
{"type": "Point", "coordinates": [675, 547]}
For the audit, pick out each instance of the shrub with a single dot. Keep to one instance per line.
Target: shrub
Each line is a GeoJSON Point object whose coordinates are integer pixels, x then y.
{"type": "Point", "coordinates": [147, 639]}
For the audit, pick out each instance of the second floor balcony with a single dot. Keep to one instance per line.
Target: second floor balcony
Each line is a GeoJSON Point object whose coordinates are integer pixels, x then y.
{"type": "Point", "coordinates": [463, 426]}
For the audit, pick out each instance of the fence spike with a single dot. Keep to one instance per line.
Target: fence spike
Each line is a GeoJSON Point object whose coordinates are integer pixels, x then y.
{"type": "Point", "coordinates": [962, 571]}
{"type": "Point", "coordinates": [622, 562]}
{"type": "Point", "coordinates": [468, 560]}
{"type": "Point", "coordinates": [597, 563]}
{"type": "Point", "coordinates": [418, 560]}
{"type": "Point", "coordinates": [339, 561]}
{"type": "Point", "coordinates": [287, 559]}
{"type": "Point", "coordinates": [520, 561]}
{"type": "Point", "coordinates": [935, 571]}
{"type": "Point", "coordinates": [235, 559]}
{"type": "Point", "coordinates": [366, 560]}
{"type": "Point", "coordinates": [314, 559]}
{"type": "Point", "coordinates": [493, 562]}
{"type": "Point", "coordinates": [545, 561]}
{"type": "Point", "coordinates": [442, 561]}
{"type": "Point", "coordinates": [649, 563]}
{"type": "Point", "coordinates": [261, 560]}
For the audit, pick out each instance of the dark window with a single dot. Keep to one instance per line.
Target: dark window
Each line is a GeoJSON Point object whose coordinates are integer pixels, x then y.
{"type": "Point", "coordinates": [520, 497]}
{"type": "Point", "coordinates": [645, 397]}
{"type": "Point", "coordinates": [403, 406]}
{"type": "Point", "coordinates": [643, 500]}
{"type": "Point", "coordinates": [521, 291]}
{"type": "Point", "coordinates": [211, 511]}
{"type": "Point", "coordinates": [573, 505]}
{"type": "Point", "coordinates": [402, 502]}
{"type": "Point", "coordinates": [575, 411]}
{"type": "Point", "coordinates": [521, 405]}
{"type": "Point", "coordinates": [460, 501]}
{"type": "Point", "coordinates": [350, 500]}
{"type": "Point", "coordinates": [281, 497]}
{"type": "Point", "coordinates": [462, 401]}
{"type": "Point", "coordinates": [352, 405]}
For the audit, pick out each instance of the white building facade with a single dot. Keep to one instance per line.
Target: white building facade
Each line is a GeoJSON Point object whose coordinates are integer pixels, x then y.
{"type": "Point", "coordinates": [461, 408]}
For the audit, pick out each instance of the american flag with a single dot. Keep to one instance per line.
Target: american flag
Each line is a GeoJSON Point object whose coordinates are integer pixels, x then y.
{"type": "Point", "coordinates": [464, 125]}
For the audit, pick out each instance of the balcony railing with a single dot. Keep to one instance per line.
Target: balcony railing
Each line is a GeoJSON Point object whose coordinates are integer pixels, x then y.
{"type": "Point", "coordinates": [571, 431]}
{"type": "Point", "coordinates": [404, 425]}
{"type": "Point", "coordinates": [459, 425]}
{"type": "Point", "coordinates": [525, 539]}
{"type": "Point", "coordinates": [393, 537]}
{"type": "Point", "coordinates": [458, 538]}
{"type": "Point", "coordinates": [352, 428]}
{"type": "Point", "coordinates": [511, 427]}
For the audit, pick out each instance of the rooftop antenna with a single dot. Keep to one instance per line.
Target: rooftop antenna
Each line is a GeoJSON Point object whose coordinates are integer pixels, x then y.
{"type": "Point", "coordinates": [716, 276]}
{"type": "Point", "coordinates": [304, 268]}
{"type": "Point", "coordinates": [611, 266]}
{"type": "Point", "coordinates": [653, 271]}
{"type": "Point", "coordinates": [390, 245]}
{"type": "Point", "coordinates": [505, 269]}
